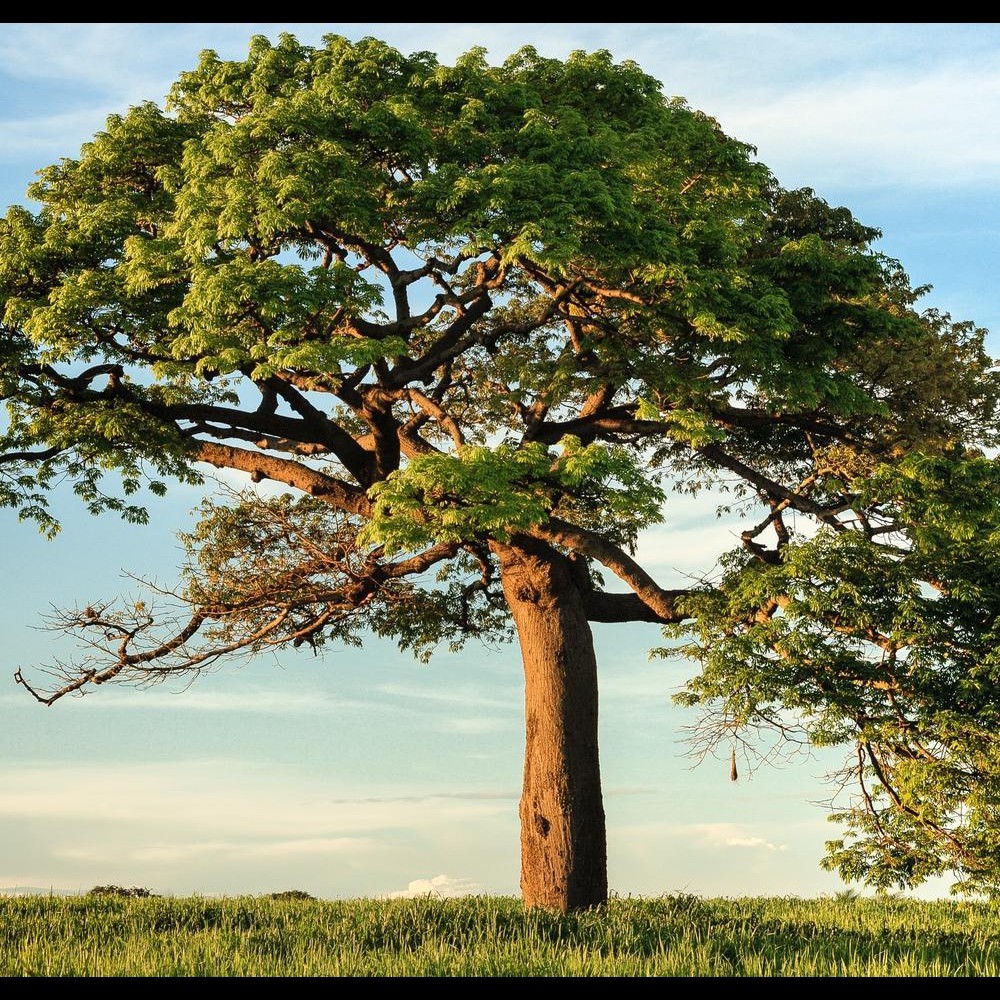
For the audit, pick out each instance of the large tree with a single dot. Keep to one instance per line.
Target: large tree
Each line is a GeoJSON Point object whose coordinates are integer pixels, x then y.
{"type": "Point", "coordinates": [481, 321]}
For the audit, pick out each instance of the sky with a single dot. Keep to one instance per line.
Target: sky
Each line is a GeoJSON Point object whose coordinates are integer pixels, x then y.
{"type": "Point", "coordinates": [362, 772]}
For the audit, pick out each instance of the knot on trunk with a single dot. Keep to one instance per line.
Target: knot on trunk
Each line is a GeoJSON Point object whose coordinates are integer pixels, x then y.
{"type": "Point", "coordinates": [526, 593]}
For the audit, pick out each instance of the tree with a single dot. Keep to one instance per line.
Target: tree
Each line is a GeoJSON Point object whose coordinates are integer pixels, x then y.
{"type": "Point", "coordinates": [480, 321]}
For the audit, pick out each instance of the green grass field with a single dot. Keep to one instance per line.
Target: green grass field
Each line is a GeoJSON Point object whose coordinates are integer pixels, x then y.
{"type": "Point", "coordinates": [671, 936]}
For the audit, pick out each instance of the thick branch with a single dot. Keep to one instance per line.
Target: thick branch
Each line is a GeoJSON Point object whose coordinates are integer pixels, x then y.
{"type": "Point", "coordinates": [419, 563]}
{"type": "Point", "coordinates": [312, 425]}
{"type": "Point", "coordinates": [262, 441]}
{"type": "Point", "coordinates": [662, 603]}
{"type": "Point", "coordinates": [30, 456]}
{"type": "Point", "coordinates": [472, 305]}
{"type": "Point", "coordinates": [354, 458]}
{"type": "Point", "coordinates": [333, 491]}
{"type": "Point", "coordinates": [604, 607]}
{"type": "Point", "coordinates": [432, 408]}
{"type": "Point", "coordinates": [609, 423]}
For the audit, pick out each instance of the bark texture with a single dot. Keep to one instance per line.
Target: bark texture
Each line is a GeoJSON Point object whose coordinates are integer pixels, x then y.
{"type": "Point", "coordinates": [563, 839]}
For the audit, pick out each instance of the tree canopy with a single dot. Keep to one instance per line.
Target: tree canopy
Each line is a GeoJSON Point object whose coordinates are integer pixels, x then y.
{"type": "Point", "coordinates": [483, 321]}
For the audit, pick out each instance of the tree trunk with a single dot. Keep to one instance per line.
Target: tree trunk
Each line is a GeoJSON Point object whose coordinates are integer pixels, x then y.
{"type": "Point", "coordinates": [563, 839]}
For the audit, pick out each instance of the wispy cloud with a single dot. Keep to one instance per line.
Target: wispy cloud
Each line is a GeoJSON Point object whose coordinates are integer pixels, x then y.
{"type": "Point", "coordinates": [474, 725]}
{"type": "Point", "coordinates": [180, 852]}
{"type": "Point", "coordinates": [732, 835]}
{"type": "Point", "coordinates": [652, 684]}
{"type": "Point", "coordinates": [128, 61]}
{"type": "Point", "coordinates": [806, 95]}
{"type": "Point", "coordinates": [28, 885]}
{"type": "Point", "coordinates": [224, 826]}
{"type": "Point", "coordinates": [221, 800]}
{"type": "Point", "coordinates": [485, 796]}
{"type": "Point", "coordinates": [705, 836]}
{"type": "Point", "coordinates": [922, 127]}
{"type": "Point", "coordinates": [628, 790]}
{"type": "Point", "coordinates": [469, 697]}
{"type": "Point", "coordinates": [260, 701]}
{"type": "Point", "coordinates": [42, 138]}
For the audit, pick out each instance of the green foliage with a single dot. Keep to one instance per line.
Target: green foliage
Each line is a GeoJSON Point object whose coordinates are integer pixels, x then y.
{"type": "Point", "coordinates": [491, 492]}
{"type": "Point", "coordinates": [888, 642]}
{"type": "Point", "coordinates": [495, 936]}
{"type": "Point", "coordinates": [183, 245]}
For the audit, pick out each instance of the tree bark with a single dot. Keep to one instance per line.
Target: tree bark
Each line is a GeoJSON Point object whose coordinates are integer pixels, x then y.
{"type": "Point", "coordinates": [563, 838]}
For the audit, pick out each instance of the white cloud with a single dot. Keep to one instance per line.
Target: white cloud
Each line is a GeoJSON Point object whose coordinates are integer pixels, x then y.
{"type": "Point", "coordinates": [440, 887]}
{"type": "Point", "coordinates": [729, 835]}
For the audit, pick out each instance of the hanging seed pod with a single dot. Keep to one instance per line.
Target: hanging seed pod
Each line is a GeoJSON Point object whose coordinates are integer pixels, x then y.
{"type": "Point", "coordinates": [733, 773]}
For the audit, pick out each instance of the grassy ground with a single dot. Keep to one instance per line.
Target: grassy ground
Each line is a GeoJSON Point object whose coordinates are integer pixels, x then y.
{"type": "Point", "coordinates": [672, 936]}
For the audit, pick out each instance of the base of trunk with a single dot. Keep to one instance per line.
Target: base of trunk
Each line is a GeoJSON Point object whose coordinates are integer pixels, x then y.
{"type": "Point", "coordinates": [563, 839]}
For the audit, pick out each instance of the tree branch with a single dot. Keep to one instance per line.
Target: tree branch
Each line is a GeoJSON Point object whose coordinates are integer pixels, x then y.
{"type": "Point", "coordinates": [662, 603]}
{"type": "Point", "coordinates": [774, 489]}
{"type": "Point", "coordinates": [354, 458]}
{"type": "Point", "coordinates": [601, 606]}
{"type": "Point", "coordinates": [30, 456]}
{"type": "Point", "coordinates": [333, 491]}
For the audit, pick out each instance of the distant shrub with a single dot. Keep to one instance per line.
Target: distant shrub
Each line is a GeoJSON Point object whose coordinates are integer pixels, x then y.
{"type": "Point", "coordinates": [133, 892]}
{"type": "Point", "coordinates": [291, 894]}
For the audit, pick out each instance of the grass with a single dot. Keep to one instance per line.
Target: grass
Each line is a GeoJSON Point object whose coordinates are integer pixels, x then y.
{"type": "Point", "coordinates": [495, 936]}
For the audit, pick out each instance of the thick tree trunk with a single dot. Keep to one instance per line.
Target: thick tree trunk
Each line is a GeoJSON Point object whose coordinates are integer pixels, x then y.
{"type": "Point", "coordinates": [563, 839]}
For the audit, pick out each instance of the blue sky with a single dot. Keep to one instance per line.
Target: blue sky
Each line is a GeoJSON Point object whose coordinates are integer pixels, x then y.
{"type": "Point", "coordinates": [363, 772]}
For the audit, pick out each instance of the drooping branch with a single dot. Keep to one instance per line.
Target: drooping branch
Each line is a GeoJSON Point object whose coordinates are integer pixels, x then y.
{"type": "Point", "coordinates": [113, 630]}
{"type": "Point", "coordinates": [775, 490]}
{"type": "Point", "coordinates": [309, 578]}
